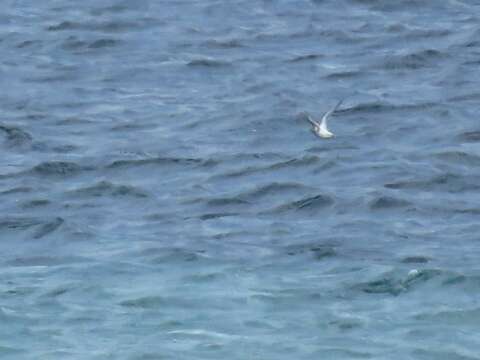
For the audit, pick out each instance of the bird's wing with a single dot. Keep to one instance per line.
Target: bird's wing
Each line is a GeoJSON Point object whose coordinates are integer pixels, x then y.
{"type": "Point", "coordinates": [313, 122]}
{"type": "Point", "coordinates": [330, 112]}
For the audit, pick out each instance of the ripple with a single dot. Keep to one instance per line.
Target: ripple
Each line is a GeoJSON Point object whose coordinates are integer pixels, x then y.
{"type": "Point", "coordinates": [388, 202]}
{"type": "Point", "coordinates": [160, 161]}
{"type": "Point", "coordinates": [224, 44]}
{"type": "Point", "coordinates": [274, 188]}
{"type": "Point", "coordinates": [106, 188]}
{"type": "Point", "coordinates": [17, 190]}
{"type": "Point", "coordinates": [317, 251]}
{"type": "Point", "coordinates": [58, 168]}
{"type": "Point", "coordinates": [209, 63]}
{"type": "Point", "coordinates": [47, 228]}
{"type": "Point", "coordinates": [446, 182]}
{"type": "Point", "coordinates": [109, 26]}
{"type": "Point", "coordinates": [415, 259]}
{"type": "Point", "coordinates": [309, 204]}
{"type": "Point", "coordinates": [103, 43]}
{"type": "Point", "coordinates": [459, 157]}
{"type": "Point", "coordinates": [392, 284]}
{"type": "Point", "coordinates": [307, 57]}
{"type": "Point", "coordinates": [40, 227]}
{"type": "Point", "coordinates": [16, 136]}
{"type": "Point", "coordinates": [413, 61]}
{"type": "Point", "coordinates": [470, 136]}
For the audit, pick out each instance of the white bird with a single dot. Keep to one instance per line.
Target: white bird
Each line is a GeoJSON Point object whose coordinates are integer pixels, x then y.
{"type": "Point", "coordinates": [320, 129]}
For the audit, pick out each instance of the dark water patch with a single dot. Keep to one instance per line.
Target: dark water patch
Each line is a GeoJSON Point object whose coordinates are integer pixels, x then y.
{"type": "Point", "coordinates": [109, 26]}
{"type": "Point", "coordinates": [309, 204]}
{"type": "Point", "coordinates": [131, 127]}
{"type": "Point", "coordinates": [64, 149]}
{"type": "Point", "coordinates": [113, 9]}
{"type": "Point", "coordinates": [28, 43]}
{"type": "Point", "coordinates": [34, 204]}
{"type": "Point", "coordinates": [103, 43]}
{"type": "Point", "coordinates": [47, 228]}
{"type": "Point", "coordinates": [457, 317]}
{"type": "Point", "coordinates": [58, 169]}
{"type": "Point", "coordinates": [162, 161]}
{"type": "Point", "coordinates": [445, 182]}
{"type": "Point", "coordinates": [211, 216]}
{"type": "Point", "coordinates": [15, 136]}
{"type": "Point", "coordinates": [382, 286]}
{"type": "Point", "coordinates": [253, 169]}
{"type": "Point", "coordinates": [433, 354]}
{"type": "Point", "coordinates": [413, 61]}
{"type": "Point", "coordinates": [417, 259]}
{"type": "Point", "coordinates": [17, 190]}
{"type": "Point", "coordinates": [373, 107]}
{"type": "Point", "coordinates": [317, 251]}
{"type": "Point", "coordinates": [305, 58]}
{"type": "Point", "coordinates": [74, 121]}
{"type": "Point", "coordinates": [203, 278]}
{"type": "Point", "coordinates": [341, 36]}
{"type": "Point", "coordinates": [224, 44]}
{"type": "Point", "coordinates": [416, 34]}
{"type": "Point", "coordinates": [394, 285]}
{"type": "Point", "coordinates": [147, 302]}
{"type": "Point", "coordinates": [173, 255]}
{"type": "Point", "coordinates": [65, 25]}
{"type": "Point", "coordinates": [459, 157]}
{"type": "Point", "coordinates": [18, 223]}
{"type": "Point", "coordinates": [209, 63]}
{"type": "Point", "coordinates": [106, 188]}
{"type": "Point", "coordinates": [300, 162]}
{"type": "Point", "coordinates": [339, 75]}
{"type": "Point", "coordinates": [332, 352]}
{"type": "Point", "coordinates": [42, 261]}
{"type": "Point", "coordinates": [273, 189]}
{"type": "Point", "coordinates": [73, 43]}
{"type": "Point", "coordinates": [226, 201]}
{"type": "Point", "coordinates": [470, 136]}
{"type": "Point", "coordinates": [388, 202]}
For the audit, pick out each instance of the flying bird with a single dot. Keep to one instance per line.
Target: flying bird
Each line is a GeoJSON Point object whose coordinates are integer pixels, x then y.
{"type": "Point", "coordinates": [320, 128]}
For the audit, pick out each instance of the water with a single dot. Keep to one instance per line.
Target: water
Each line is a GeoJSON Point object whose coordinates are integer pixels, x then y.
{"type": "Point", "coordinates": [162, 196]}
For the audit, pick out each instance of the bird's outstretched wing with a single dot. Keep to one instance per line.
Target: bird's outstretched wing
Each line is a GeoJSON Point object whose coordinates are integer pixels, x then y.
{"type": "Point", "coordinates": [330, 112]}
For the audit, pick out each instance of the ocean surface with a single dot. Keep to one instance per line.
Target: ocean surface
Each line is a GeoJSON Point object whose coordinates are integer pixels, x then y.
{"type": "Point", "coordinates": [162, 195]}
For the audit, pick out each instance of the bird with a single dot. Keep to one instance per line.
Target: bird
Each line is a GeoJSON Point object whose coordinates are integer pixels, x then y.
{"type": "Point", "coordinates": [320, 129]}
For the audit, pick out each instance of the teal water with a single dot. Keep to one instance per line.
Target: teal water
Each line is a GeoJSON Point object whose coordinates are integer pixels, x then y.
{"type": "Point", "coordinates": [162, 195]}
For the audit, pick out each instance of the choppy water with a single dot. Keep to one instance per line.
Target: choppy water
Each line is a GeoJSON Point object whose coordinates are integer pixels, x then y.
{"type": "Point", "coordinates": [162, 196]}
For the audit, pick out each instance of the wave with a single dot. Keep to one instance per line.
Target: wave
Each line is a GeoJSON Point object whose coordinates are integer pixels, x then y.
{"type": "Point", "coordinates": [317, 251]}
{"type": "Point", "coordinates": [208, 63]}
{"type": "Point", "coordinates": [273, 189]}
{"type": "Point", "coordinates": [161, 161]}
{"type": "Point", "coordinates": [388, 202]}
{"type": "Point", "coordinates": [58, 168]}
{"type": "Point", "coordinates": [392, 284]}
{"type": "Point", "coordinates": [309, 204]}
{"type": "Point", "coordinates": [307, 57]}
{"type": "Point", "coordinates": [447, 182]}
{"type": "Point", "coordinates": [106, 188]}
{"type": "Point", "coordinates": [107, 26]}
{"type": "Point", "coordinates": [16, 136]}
{"type": "Point", "coordinates": [470, 136]}
{"type": "Point", "coordinates": [40, 227]}
{"type": "Point", "coordinates": [415, 60]}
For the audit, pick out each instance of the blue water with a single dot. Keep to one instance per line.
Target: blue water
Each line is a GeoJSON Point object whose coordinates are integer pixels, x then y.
{"type": "Point", "coordinates": [162, 195]}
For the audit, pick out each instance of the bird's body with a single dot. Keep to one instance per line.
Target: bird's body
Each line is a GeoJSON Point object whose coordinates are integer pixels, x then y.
{"type": "Point", "coordinates": [320, 128]}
